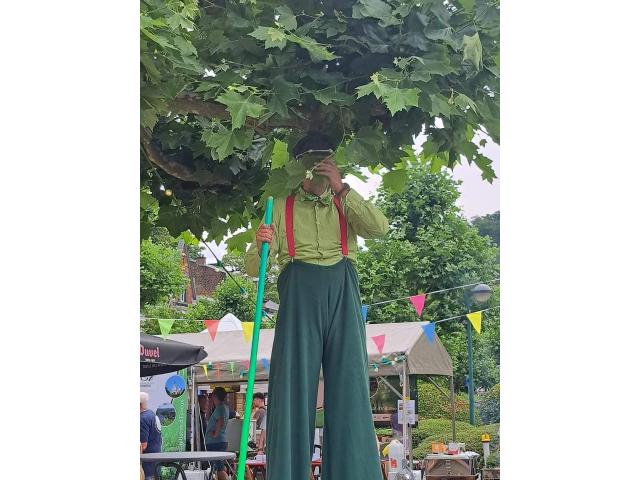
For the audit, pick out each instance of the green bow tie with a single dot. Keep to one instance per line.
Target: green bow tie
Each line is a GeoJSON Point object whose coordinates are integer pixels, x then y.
{"type": "Point", "coordinates": [325, 199]}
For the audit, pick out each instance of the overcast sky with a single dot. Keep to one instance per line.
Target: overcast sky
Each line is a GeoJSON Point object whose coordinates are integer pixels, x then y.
{"type": "Point", "coordinates": [477, 196]}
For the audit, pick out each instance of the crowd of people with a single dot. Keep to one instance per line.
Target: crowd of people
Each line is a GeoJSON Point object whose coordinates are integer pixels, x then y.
{"type": "Point", "coordinates": [215, 413]}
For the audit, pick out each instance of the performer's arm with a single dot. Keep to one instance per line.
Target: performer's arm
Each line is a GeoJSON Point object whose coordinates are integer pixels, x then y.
{"type": "Point", "coordinates": [366, 220]}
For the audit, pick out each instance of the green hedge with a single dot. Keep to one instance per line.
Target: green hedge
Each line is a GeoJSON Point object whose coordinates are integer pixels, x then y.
{"type": "Point", "coordinates": [432, 404]}
{"type": "Point", "coordinates": [439, 430]}
{"type": "Point", "coordinates": [490, 405]}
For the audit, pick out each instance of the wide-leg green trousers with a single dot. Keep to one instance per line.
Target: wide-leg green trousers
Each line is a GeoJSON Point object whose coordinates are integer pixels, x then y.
{"type": "Point", "coordinates": [320, 323]}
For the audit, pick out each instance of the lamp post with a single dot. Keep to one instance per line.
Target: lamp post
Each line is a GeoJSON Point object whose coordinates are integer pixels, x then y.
{"type": "Point", "coordinates": [479, 294]}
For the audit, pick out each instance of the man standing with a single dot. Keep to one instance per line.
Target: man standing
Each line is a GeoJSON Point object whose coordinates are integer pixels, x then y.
{"type": "Point", "coordinates": [150, 436]}
{"type": "Point", "coordinates": [314, 237]}
{"type": "Point", "coordinates": [258, 410]}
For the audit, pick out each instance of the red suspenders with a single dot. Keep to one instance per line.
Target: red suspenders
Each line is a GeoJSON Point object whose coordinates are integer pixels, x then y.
{"type": "Point", "coordinates": [288, 215]}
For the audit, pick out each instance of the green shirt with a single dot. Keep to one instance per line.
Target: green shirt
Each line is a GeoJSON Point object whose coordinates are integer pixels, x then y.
{"type": "Point", "coordinates": [317, 229]}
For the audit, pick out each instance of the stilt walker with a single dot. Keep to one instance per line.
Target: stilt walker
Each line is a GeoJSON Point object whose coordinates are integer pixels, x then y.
{"type": "Point", "coordinates": [313, 236]}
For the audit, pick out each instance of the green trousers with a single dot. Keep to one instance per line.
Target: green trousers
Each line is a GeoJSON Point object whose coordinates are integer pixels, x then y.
{"type": "Point", "coordinates": [320, 323]}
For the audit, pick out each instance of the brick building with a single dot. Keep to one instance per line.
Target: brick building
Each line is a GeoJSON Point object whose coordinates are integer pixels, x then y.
{"type": "Point", "coordinates": [203, 278]}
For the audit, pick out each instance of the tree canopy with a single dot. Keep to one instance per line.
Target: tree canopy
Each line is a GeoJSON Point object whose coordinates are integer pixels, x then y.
{"type": "Point", "coordinates": [161, 275]}
{"type": "Point", "coordinates": [227, 87]}
{"type": "Point", "coordinates": [430, 247]}
{"type": "Point", "coordinates": [489, 225]}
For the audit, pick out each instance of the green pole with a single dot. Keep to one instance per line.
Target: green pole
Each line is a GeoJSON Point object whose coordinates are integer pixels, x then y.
{"type": "Point", "coordinates": [257, 319]}
{"type": "Point", "coordinates": [472, 416]}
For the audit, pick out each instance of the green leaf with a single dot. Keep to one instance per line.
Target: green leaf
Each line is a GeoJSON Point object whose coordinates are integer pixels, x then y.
{"type": "Point", "coordinates": [224, 141]}
{"type": "Point", "coordinates": [317, 52]}
{"type": "Point", "coordinates": [240, 107]}
{"type": "Point", "coordinates": [276, 184]}
{"type": "Point", "coordinates": [286, 18]}
{"type": "Point", "coordinates": [185, 46]}
{"type": "Point", "coordinates": [148, 118]}
{"type": "Point", "coordinates": [280, 155]}
{"type": "Point", "coordinates": [273, 37]}
{"type": "Point", "coordinates": [206, 86]}
{"type": "Point", "coordinates": [296, 172]}
{"type": "Point", "coordinates": [147, 201]}
{"type": "Point", "coordinates": [472, 51]}
{"type": "Point", "coordinates": [375, 9]}
{"type": "Point", "coordinates": [395, 180]}
{"type": "Point", "coordinates": [420, 73]}
{"type": "Point", "coordinates": [468, 5]}
{"type": "Point", "coordinates": [484, 164]}
{"type": "Point", "coordinates": [463, 102]}
{"type": "Point", "coordinates": [439, 106]}
{"type": "Point", "coordinates": [398, 99]}
{"type": "Point", "coordinates": [329, 95]}
{"type": "Point", "coordinates": [365, 146]}
{"type": "Point", "coordinates": [430, 147]}
{"type": "Point", "coordinates": [438, 161]}
{"type": "Point", "coordinates": [283, 92]}
{"type": "Point", "coordinates": [375, 86]}
{"type": "Point", "coordinates": [238, 242]}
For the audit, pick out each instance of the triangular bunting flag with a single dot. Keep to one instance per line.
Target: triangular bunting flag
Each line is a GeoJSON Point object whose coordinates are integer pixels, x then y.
{"type": "Point", "coordinates": [265, 364]}
{"type": "Point", "coordinates": [365, 310]}
{"type": "Point", "coordinates": [217, 370]}
{"type": "Point", "coordinates": [212, 327]}
{"type": "Point", "coordinates": [206, 372]}
{"type": "Point", "coordinates": [247, 364]}
{"type": "Point", "coordinates": [247, 331]}
{"type": "Point", "coordinates": [418, 302]}
{"type": "Point", "coordinates": [165, 326]}
{"type": "Point", "coordinates": [429, 331]}
{"type": "Point", "coordinates": [476, 320]}
{"type": "Point", "coordinates": [379, 341]}
{"type": "Point", "coordinates": [232, 365]}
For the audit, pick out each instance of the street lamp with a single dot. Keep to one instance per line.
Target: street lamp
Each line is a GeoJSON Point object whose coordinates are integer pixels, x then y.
{"type": "Point", "coordinates": [478, 294]}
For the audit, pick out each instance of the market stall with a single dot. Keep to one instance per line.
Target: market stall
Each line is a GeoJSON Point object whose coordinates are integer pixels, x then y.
{"type": "Point", "coordinates": [394, 349]}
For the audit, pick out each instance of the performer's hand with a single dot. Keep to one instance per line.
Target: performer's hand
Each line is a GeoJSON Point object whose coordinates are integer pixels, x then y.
{"type": "Point", "coordinates": [327, 167]}
{"type": "Point", "coordinates": [264, 234]}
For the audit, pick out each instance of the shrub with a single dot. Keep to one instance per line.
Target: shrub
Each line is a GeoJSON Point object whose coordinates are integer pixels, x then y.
{"type": "Point", "coordinates": [439, 430]}
{"type": "Point", "coordinates": [490, 405]}
{"type": "Point", "coordinates": [432, 404]}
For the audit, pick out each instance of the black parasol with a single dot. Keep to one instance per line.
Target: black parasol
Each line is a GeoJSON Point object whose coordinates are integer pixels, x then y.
{"type": "Point", "coordinates": [158, 355]}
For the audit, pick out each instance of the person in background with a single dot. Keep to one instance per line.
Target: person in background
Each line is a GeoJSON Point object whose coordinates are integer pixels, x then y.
{"type": "Point", "coordinates": [215, 437]}
{"type": "Point", "coordinates": [258, 410]}
{"type": "Point", "coordinates": [203, 408]}
{"type": "Point", "coordinates": [262, 437]}
{"type": "Point", "coordinates": [150, 435]}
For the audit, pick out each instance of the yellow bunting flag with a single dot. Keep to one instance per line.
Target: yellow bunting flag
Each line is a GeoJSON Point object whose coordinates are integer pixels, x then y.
{"type": "Point", "coordinates": [206, 372]}
{"type": "Point", "coordinates": [247, 331]}
{"type": "Point", "coordinates": [476, 320]}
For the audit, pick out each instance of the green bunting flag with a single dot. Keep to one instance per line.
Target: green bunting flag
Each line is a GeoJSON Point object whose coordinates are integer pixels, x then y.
{"type": "Point", "coordinates": [165, 326]}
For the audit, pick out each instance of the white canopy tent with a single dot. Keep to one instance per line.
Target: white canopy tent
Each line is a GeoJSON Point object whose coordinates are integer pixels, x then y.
{"type": "Point", "coordinates": [228, 355]}
{"type": "Point", "coordinates": [406, 351]}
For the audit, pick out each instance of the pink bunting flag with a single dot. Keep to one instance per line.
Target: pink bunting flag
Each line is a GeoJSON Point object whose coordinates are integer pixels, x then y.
{"type": "Point", "coordinates": [379, 341]}
{"type": "Point", "coordinates": [212, 327]}
{"type": "Point", "coordinates": [247, 364]}
{"type": "Point", "coordinates": [418, 302]}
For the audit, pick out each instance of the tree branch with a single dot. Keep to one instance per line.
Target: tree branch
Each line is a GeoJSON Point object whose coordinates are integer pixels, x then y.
{"type": "Point", "coordinates": [190, 104]}
{"type": "Point", "coordinates": [177, 169]}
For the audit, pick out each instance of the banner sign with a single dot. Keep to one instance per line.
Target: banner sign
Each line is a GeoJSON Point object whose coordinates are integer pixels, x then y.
{"type": "Point", "coordinates": [169, 399]}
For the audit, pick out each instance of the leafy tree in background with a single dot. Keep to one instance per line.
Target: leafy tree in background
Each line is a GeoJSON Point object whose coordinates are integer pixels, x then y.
{"type": "Point", "coordinates": [161, 275]}
{"type": "Point", "coordinates": [227, 298]}
{"type": "Point", "coordinates": [430, 247]}
{"type": "Point", "coordinates": [227, 87]}
{"type": "Point", "coordinates": [489, 226]}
